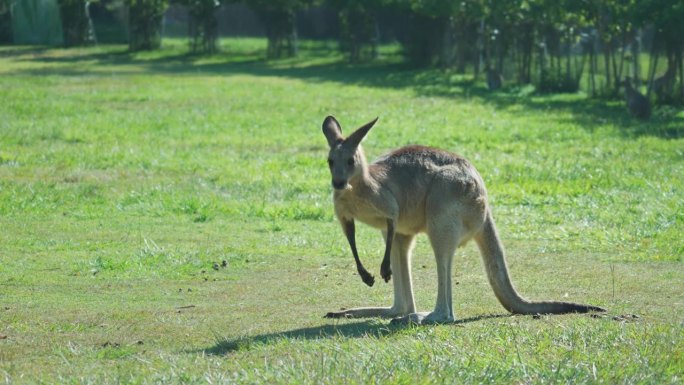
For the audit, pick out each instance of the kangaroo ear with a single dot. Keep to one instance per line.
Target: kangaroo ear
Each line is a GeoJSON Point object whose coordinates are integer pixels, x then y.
{"type": "Point", "coordinates": [332, 130]}
{"type": "Point", "coordinates": [357, 136]}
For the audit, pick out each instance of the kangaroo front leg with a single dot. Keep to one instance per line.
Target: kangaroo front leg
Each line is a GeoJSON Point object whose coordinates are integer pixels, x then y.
{"type": "Point", "coordinates": [350, 232]}
{"type": "Point", "coordinates": [403, 290]}
{"type": "Point", "coordinates": [385, 268]}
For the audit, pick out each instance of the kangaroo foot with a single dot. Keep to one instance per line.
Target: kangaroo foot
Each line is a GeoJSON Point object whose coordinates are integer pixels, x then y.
{"type": "Point", "coordinates": [422, 319]}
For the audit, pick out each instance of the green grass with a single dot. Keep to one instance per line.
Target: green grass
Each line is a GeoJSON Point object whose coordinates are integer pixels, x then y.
{"type": "Point", "coordinates": [125, 177]}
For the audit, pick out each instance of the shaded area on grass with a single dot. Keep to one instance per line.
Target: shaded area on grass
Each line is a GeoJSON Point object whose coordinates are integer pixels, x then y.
{"type": "Point", "coordinates": [327, 66]}
{"type": "Point", "coordinates": [367, 328]}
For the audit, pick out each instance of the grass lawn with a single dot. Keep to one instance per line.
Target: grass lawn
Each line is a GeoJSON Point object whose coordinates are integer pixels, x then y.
{"type": "Point", "coordinates": [166, 218]}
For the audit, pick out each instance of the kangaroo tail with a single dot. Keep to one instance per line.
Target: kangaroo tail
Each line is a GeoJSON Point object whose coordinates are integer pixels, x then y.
{"type": "Point", "coordinates": [497, 272]}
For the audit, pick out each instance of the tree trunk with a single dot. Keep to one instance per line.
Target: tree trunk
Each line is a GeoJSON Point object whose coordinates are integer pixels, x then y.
{"type": "Point", "coordinates": [526, 47]}
{"type": "Point", "coordinates": [636, 63]}
{"type": "Point", "coordinates": [607, 54]}
{"type": "Point", "coordinates": [76, 24]}
{"type": "Point", "coordinates": [680, 56]}
{"type": "Point", "coordinates": [145, 21]}
{"type": "Point", "coordinates": [448, 45]}
{"type": "Point", "coordinates": [280, 32]}
{"type": "Point", "coordinates": [653, 64]}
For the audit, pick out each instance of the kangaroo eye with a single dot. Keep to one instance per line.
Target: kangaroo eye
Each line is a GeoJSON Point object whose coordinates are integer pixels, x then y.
{"type": "Point", "coordinates": [350, 162]}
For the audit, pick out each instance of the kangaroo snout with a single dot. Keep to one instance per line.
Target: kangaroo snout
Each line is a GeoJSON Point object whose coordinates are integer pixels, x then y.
{"type": "Point", "coordinates": [339, 184]}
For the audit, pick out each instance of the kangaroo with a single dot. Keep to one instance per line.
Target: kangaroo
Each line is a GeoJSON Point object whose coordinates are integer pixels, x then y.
{"type": "Point", "coordinates": [413, 190]}
{"type": "Point", "coordinates": [494, 79]}
{"type": "Point", "coordinates": [637, 104]}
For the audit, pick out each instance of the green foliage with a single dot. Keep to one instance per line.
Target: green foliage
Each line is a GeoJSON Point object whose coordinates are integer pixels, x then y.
{"type": "Point", "coordinates": [278, 17]}
{"type": "Point", "coordinates": [35, 22]}
{"type": "Point", "coordinates": [76, 24]}
{"type": "Point", "coordinates": [359, 27]}
{"type": "Point", "coordinates": [203, 28]}
{"type": "Point", "coordinates": [539, 41]}
{"type": "Point", "coordinates": [552, 82]}
{"type": "Point", "coordinates": [145, 22]}
{"type": "Point", "coordinates": [5, 22]}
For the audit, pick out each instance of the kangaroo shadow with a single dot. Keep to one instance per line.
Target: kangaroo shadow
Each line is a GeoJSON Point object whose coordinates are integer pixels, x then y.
{"type": "Point", "coordinates": [359, 329]}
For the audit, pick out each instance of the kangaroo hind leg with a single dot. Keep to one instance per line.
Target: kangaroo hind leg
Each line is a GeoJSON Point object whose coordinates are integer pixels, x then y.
{"type": "Point", "coordinates": [404, 304]}
{"type": "Point", "coordinates": [444, 237]}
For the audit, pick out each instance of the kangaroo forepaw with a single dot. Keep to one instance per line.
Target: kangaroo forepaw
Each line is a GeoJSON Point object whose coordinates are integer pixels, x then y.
{"type": "Point", "coordinates": [386, 273]}
{"type": "Point", "coordinates": [367, 278]}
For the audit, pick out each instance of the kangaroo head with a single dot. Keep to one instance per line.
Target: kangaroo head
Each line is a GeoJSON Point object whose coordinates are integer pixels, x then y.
{"type": "Point", "coordinates": [346, 158]}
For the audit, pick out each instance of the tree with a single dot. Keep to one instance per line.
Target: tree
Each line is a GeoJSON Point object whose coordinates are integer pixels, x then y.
{"type": "Point", "coordinates": [559, 33]}
{"type": "Point", "coordinates": [5, 22]}
{"type": "Point", "coordinates": [76, 24]}
{"type": "Point", "coordinates": [278, 17]}
{"type": "Point", "coordinates": [145, 22]}
{"type": "Point", "coordinates": [425, 30]}
{"type": "Point", "coordinates": [614, 31]}
{"type": "Point", "coordinates": [359, 26]}
{"type": "Point", "coordinates": [666, 18]}
{"type": "Point", "coordinates": [203, 26]}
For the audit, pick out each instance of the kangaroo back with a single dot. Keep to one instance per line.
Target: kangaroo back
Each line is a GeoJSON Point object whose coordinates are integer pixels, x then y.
{"type": "Point", "coordinates": [497, 273]}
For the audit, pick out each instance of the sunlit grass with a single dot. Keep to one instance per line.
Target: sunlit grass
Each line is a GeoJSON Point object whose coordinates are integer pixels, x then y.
{"type": "Point", "coordinates": [126, 181]}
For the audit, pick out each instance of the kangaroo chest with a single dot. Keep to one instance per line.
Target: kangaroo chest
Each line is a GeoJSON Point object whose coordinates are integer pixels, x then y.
{"type": "Point", "coordinates": [410, 217]}
{"type": "Point", "coordinates": [348, 206]}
